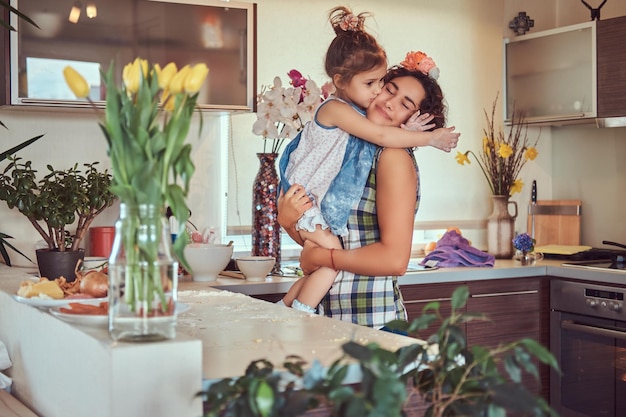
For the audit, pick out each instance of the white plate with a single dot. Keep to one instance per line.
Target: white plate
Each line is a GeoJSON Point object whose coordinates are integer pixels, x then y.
{"type": "Point", "coordinates": [86, 319]}
{"type": "Point", "coordinates": [97, 320]}
{"type": "Point", "coordinates": [43, 302]}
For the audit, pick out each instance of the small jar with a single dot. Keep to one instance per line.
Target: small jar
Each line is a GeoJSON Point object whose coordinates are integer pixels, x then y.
{"type": "Point", "coordinates": [524, 258]}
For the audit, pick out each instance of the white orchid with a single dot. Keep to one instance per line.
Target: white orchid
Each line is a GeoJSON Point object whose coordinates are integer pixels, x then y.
{"type": "Point", "coordinates": [282, 112]}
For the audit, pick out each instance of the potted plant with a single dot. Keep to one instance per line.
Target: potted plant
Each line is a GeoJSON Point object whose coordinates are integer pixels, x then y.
{"type": "Point", "coordinates": [53, 203]}
{"type": "Point", "coordinates": [4, 244]}
{"type": "Point", "coordinates": [445, 374]}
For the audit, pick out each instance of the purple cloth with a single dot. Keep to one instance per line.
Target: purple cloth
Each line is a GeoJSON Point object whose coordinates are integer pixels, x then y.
{"type": "Point", "coordinates": [454, 250]}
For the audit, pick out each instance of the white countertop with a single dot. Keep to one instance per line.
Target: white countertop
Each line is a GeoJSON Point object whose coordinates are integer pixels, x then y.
{"type": "Point", "coordinates": [55, 363]}
{"type": "Point", "coordinates": [236, 329]}
{"type": "Point", "coordinates": [503, 269]}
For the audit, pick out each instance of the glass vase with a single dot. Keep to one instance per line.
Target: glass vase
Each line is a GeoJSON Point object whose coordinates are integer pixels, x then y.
{"type": "Point", "coordinates": [265, 227]}
{"type": "Point", "coordinates": [525, 258]}
{"type": "Point", "coordinates": [143, 276]}
{"type": "Point", "coordinates": [501, 227]}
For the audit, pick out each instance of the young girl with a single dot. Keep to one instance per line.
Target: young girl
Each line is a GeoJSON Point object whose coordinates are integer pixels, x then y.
{"type": "Point", "coordinates": [356, 64]}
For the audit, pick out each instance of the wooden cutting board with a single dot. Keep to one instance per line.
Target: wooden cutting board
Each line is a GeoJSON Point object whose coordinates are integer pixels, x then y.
{"type": "Point", "coordinates": [556, 222]}
{"type": "Point", "coordinates": [12, 407]}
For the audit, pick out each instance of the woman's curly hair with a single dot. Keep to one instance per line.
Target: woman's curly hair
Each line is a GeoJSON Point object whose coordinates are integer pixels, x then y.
{"type": "Point", "coordinates": [433, 103]}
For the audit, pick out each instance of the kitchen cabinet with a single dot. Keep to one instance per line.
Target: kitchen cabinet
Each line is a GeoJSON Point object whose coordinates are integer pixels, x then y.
{"type": "Point", "coordinates": [516, 308]}
{"type": "Point", "coordinates": [417, 296]}
{"type": "Point", "coordinates": [223, 36]}
{"type": "Point", "coordinates": [611, 63]}
{"type": "Point", "coordinates": [568, 75]}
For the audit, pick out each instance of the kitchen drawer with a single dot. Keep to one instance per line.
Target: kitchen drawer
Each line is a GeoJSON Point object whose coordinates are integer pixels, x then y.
{"type": "Point", "coordinates": [417, 296]}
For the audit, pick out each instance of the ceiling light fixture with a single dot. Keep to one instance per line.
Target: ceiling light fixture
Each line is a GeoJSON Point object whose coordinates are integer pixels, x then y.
{"type": "Point", "coordinates": [92, 11]}
{"type": "Point", "coordinates": [75, 12]}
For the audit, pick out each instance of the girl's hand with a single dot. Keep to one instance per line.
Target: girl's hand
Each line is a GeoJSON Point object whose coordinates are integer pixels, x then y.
{"type": "Point", "coordinates": [445, 139]}
{"type": "Point", "coordinates": [418, 122]}
{"type": "Point", "coordinates": [291, 205]}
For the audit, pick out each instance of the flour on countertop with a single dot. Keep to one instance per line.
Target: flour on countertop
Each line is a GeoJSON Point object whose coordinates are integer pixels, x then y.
{"type": "Point", "coordinates": [196, 293]}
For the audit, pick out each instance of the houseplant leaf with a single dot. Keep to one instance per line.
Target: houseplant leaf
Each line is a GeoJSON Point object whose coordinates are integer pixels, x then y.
{"type": "Point", "coordinates": [21, 15]}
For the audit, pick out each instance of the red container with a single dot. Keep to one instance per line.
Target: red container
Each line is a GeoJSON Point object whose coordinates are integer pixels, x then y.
{"type": "Point", "coordinates": [101, 240]}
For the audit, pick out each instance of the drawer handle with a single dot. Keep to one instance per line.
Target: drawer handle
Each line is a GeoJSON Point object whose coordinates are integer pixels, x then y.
{"type": "Point", "coordinates": [429, 300]}
{"type": "Point", "coordinates": [498, 294]}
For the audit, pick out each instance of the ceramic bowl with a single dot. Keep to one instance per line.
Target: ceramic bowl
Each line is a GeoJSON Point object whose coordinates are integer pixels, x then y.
{"type": "Point", "coordinates": [207, 260]}
{"type": "Point", "coordinates": [255, 268]}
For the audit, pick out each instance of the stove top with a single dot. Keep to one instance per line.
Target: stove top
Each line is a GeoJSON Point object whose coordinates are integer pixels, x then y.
{"type": "Point", "coordinates": [618, 264]}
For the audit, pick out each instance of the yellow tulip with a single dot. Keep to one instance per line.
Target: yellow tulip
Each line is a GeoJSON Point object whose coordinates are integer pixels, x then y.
{"type": "Point", "coordinates": [195, 78]}
{"type": "Point", "coordinates": [531, 153]}
{"type": "Point", "coordinates": [178, 81]}
{"type": "Point", "coordinates": [143, 64]}
{"type": "Point", "coordinates": [76, 82]}
{"type": "Point", "coordinates": [165, 75]}
{"type": "Point", "coordinates": [167, 101]}
{"type": "Point", "coordinates": [132, 77]}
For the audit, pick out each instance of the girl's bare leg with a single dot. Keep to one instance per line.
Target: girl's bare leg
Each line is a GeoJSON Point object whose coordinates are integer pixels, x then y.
{"type": "Point", "coordinates": [293, 292]}
{"type": "Point", "coordinates": [315, 286]}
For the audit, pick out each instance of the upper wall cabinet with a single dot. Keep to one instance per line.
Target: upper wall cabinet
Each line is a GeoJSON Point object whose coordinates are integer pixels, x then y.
{"type": "Point", "coordinates": [573, 74]}
{"type": "Point", "coordinates": [218, 33]}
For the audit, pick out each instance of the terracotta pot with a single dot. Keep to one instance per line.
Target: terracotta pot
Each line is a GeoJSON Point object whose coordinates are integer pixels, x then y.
{"type": "Point", "coordinates": [53, 263]}
{"type": "Point", "coordinates": [101, 241]}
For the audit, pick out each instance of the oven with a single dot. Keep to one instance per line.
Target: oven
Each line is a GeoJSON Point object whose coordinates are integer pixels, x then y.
{"type": "Point", "coordinates": [588, 339]}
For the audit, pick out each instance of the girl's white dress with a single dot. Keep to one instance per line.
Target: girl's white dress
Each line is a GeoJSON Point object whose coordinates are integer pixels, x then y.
{"type": "Point", "coordinates": [314, 163]}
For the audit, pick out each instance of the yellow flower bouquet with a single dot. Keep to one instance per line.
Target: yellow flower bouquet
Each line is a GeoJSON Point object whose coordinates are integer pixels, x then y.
{"type": "Point", "coordinates": [502, 157]}
{"type": "Point", "coordinates": [152, 169]}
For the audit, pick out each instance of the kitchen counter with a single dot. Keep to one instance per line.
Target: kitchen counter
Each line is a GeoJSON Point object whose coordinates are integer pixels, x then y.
{"type": "Point", "coordinates": [503, 269]}
{"type": "Point", "coordinates": [62, 369]}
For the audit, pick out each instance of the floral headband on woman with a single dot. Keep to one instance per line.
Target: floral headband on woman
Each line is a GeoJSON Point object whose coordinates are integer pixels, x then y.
{"type": "Point", "coordinates": [419, 61]}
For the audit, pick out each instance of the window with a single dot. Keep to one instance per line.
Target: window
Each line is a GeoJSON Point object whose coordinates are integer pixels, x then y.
{"type": "Point", "coordinates": [44, 78]}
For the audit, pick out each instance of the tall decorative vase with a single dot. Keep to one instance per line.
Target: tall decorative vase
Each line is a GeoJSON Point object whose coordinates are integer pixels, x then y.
{"type": "Point", "coordinates": [143, 276]}
{"type": "Point", "coordinates": [265, 227]}
{"type": "Point", "coordinates": [501, 227]}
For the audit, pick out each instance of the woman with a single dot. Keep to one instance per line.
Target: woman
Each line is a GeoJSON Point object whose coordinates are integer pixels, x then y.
{"type": "Point", "coordinates": [380, 228]}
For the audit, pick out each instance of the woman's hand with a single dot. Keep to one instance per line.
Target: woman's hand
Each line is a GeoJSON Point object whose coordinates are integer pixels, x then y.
{"type": "Point", "coordinates": [308, 264]}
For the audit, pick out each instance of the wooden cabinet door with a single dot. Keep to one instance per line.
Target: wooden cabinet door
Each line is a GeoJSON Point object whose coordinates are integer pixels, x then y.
{"type": "Point", "coordinates": [611, 34]}
{"type": "Point", "coordinates": [516, 308]}
{"type": "Point", "coordinates": [417, 296]}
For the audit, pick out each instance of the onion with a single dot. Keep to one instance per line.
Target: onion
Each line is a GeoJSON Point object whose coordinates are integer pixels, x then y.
{"type": "Point", "coordinates": [95, 283]}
